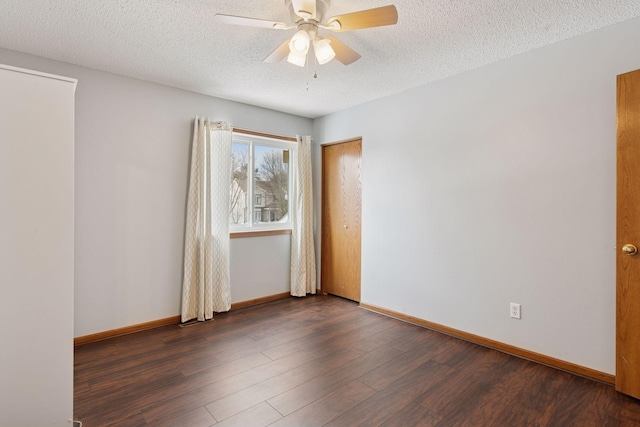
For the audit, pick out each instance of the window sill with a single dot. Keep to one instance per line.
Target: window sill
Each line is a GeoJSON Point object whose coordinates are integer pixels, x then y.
{"type": "Point", "coordinates": [258, 233]}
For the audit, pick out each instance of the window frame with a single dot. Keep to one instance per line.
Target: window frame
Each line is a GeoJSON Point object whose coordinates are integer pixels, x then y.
{"type": "Point", "coordinates": [265, 141]}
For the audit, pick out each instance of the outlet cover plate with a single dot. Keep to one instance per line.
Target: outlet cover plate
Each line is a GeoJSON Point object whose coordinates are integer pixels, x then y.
{"type": "Point", "coordinates": [514, 310]}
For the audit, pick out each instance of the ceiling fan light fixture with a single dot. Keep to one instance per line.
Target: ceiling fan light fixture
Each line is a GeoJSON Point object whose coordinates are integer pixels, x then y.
{"type": "Point", "coordinates": [299, 43]}
{"type": "Point", "coordinates": [308, 16]}
{"type": "Point", "coordinates": [324, 51]}
{"type": "Point", "coordinates": [297, 59]}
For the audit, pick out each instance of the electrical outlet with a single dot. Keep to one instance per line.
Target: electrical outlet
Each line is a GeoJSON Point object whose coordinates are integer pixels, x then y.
{"type": "Point", "coordinates": [514, 310]}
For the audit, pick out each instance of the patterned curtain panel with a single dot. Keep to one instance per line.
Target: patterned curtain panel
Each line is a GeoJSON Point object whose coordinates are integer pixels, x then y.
{"type": "Point", "coordinates": [303, 258]}
{"type": "Point", "coordinates": [206, 283]}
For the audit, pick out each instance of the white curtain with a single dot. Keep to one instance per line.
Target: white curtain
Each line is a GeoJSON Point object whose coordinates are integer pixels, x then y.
{"type": "Point", "coordinates": [303, 259]}
{"type": "Point", "coordinates": [206, 284]}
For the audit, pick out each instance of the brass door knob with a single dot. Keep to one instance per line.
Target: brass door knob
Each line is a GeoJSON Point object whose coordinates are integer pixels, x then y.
{"type": "Point", "coordinates": [629, 249]}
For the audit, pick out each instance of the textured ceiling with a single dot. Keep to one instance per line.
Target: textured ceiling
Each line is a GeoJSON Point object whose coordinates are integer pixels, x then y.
{"type": "Point", "coordinates": [177, 43]}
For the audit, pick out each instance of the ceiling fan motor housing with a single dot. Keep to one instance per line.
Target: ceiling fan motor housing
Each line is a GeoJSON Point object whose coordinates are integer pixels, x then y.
{"type": "Point", "coordinates": [321, 10]}
{"type": "Point", "coordinates": [310, 27]}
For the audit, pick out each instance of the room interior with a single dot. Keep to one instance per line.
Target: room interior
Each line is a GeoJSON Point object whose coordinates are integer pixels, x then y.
{"type": "Point", "coordinates": [488, 160]}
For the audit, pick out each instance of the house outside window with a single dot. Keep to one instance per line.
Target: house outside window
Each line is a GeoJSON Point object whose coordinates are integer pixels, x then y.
{"type": "Point", "coordinates": [260, 183]}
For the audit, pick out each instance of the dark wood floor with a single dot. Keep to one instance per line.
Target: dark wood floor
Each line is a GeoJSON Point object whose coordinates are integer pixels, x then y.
{"type": "Point", "coordinates": [320, 361]}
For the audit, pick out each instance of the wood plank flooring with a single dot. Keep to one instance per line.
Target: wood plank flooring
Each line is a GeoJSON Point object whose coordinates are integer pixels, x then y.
{"type": "Point", "coordinates": [322, 361]}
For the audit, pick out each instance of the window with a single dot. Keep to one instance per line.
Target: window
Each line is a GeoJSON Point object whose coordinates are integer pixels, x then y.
{"type": "Point", "coordinates": [260, 183]}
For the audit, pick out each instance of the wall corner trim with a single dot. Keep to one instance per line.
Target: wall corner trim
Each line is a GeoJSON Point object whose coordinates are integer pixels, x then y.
{"type": "Point", "coordinates": [497, 345]}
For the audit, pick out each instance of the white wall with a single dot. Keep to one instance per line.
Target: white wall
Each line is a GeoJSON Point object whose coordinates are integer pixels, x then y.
{"type": "Point", "coordinates": [258, 267]}
{"type": "Point", "coordinates": [132, 155]}
{"type": "Point", "coordinates": [498, 186]}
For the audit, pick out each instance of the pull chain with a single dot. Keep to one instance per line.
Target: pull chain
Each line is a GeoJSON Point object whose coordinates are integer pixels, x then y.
{"type": "Point", "coordinates": [308, 70]}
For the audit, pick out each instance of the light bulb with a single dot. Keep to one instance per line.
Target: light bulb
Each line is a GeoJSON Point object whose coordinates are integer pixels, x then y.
{"type": "Point", "coordinates": [324, 51]}
{"type": "Point", "coordinates": [299, 42]}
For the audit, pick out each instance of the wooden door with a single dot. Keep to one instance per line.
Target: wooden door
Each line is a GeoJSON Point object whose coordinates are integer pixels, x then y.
{"type": "Point", "coordinates": [628, 236]}
{"type": "Point", "coordinates": [341, 215]}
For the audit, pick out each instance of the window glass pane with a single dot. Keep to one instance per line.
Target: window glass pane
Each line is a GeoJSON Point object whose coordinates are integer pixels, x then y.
{"type": "Point", "coordinates": [239, 165]}
{"type": "Point", "coordinates": [271, 184]}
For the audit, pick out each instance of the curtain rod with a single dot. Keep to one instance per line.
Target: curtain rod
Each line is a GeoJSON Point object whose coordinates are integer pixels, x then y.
{"type": "Point", "coordinates": [265, 135]}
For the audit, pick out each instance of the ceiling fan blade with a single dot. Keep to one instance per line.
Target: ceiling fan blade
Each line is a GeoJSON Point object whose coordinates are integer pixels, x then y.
{"type": "Point", "coordinates": [250, 22]}
{"type": "Point", "coordinates": [385, 15]}
{"type": "Point", "coordinates": [344, 53]}
{"type": "Point", "coordinates": [305, 9]}
{"type": "Point", "coordinates": [279, 54]}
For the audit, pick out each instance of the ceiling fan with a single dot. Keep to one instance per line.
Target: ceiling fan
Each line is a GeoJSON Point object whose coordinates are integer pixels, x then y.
{"type": "Point", "coordinates": [307, 17]}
